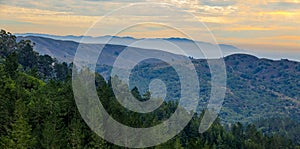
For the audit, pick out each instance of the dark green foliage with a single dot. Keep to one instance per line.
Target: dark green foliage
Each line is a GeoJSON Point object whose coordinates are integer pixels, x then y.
{"type": "Point", "coordinates": [61, 71]}
{"type": "Point", "coordinates": [45, 66]}
{"type": "Point", "coordinates": [285, 127]}
{"type": "Point", "coordinates": [22, 53]}
{"type": "Point", "coordinates": [19, 136]}
{"type": "Point", "coordinates": [7, 43]}
{"type": "Point", "coordinates": [11, 64]}
{"type": "Point", "coordinates": [26, 56]}
{"type": "Point", "coordinates": [46, 117]}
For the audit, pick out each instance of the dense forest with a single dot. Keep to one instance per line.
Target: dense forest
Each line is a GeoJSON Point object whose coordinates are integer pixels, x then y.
{"type": "Point", "coordinates": [38, 110]}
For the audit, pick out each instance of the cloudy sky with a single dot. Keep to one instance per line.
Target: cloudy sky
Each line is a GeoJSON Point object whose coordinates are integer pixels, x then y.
{"type": "Point", "coordinates": [259, 25]}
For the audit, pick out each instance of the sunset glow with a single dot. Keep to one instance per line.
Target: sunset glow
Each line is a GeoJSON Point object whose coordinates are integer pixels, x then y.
{"type": "Point", "coordinates": [271, 22]}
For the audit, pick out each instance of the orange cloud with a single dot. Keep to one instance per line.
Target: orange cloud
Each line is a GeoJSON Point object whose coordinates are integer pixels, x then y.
{"type": "Point", "coordinates": [45, 17]}
{"type": "Point", "coordinates": [247, 21]}
{"type": "Point", "coordinates": [281, 13]}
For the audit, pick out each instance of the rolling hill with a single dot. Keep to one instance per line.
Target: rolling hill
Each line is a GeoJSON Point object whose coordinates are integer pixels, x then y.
{"type": "Point", "coordinates": [165, 44]}
{"type": "Point", "coordinates": [256, 88]}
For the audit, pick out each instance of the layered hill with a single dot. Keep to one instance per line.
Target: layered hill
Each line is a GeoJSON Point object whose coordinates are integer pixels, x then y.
{"type": "Point", "coordinates": [256, 88]}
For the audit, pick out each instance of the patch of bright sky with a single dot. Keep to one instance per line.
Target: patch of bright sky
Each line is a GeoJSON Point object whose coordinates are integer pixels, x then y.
{"type": "Point", "coordinates": [250, 24]}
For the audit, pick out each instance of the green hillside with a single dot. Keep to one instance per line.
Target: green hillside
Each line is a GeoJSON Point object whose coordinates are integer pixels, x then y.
{"type": "Point", "coordinates": [38, 109]}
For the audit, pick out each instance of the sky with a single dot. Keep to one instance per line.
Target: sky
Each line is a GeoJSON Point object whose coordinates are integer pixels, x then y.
{"type": "Point", "coordinates": [271, 26]}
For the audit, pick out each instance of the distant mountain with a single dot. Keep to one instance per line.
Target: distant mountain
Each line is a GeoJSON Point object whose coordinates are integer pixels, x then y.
{"type": "Point", "coordinates": [87, 39]}
{"type": "Point", "coordinates": [64, 51]}
{"type": "Point", "coordinates": [165, 44]}
{"type": "Point", "coordinates": [256, 88]}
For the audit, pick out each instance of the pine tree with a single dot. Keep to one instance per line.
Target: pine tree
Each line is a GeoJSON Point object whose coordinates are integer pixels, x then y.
{"type": "Point", "coordinates": [75, 134]}
{"type": "Point", "coordinates": [177, 144]}
{"type": "Point", "coordinates": [20, 134]}
{"type": "Point", "coordinates": [11, 64]}
{"type": "Point", "coordinates": [7, 101]}
{"type": "Point", "coordinates": [52, 134]}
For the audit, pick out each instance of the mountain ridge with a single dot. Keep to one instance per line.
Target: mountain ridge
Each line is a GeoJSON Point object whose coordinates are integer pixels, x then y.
{"type": "Point", "coordinates": [188, 45]}
{"type": "Point", "coordinates": [183, 43]}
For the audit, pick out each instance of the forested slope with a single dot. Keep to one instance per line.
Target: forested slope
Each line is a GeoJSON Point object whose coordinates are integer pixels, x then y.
{"type": "Point", "coordinates": [38, 109]}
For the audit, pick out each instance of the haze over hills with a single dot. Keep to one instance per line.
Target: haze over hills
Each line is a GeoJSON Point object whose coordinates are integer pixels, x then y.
{"type": "Point", "coordinates": [64, 51]}
{"type": "Point", "coordinates": [190, 48]}
{"type": "Point", "coordinates": [164, 43]}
